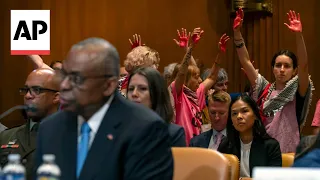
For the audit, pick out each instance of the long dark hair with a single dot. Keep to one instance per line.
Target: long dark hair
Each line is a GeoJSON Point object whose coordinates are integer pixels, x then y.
{"type": "Point", "coordinates": [159, 93]}
{"type": "Point", "coordinates": [258, 129]}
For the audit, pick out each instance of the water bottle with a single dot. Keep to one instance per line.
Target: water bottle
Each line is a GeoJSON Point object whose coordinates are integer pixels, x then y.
{"type": "Point", "coordinates": [14, 170]}
{"type": "Point", "coordinates": [48, 170]}
{"type": "Point", "coordinates": [1, 175]}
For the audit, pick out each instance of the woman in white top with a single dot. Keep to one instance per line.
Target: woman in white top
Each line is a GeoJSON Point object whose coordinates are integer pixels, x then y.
{"type": "Point", "coordinates": [247, 137]}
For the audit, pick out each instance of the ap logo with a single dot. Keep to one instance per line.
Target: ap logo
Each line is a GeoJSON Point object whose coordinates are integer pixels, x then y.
{"type": "Point", "coordinates": [30, 32]}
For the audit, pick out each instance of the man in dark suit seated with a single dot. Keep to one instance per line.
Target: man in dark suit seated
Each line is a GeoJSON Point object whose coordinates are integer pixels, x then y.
{"type": "Point", "coordinates": [99, 134]}
{"type": "Point", "coordinates": [305, 143]}
{"type": "Point", "coordinates": [218, 107]}
{"type": "Point", "coordinates": [41, 91]}
{"type": "Point", "coordinates": [308, 152]}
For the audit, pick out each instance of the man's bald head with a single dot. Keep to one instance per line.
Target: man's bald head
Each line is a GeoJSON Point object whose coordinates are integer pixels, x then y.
{"type": "Point", "coordinates": [103, 54]}
{"type": "Point", "coordinates": [46, 77]}
{"type": "Point", "coordinates": [41, 90]}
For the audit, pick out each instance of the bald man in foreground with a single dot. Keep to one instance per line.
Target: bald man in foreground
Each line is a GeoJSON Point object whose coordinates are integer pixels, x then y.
{"type": "Point", "coordinates": [41, 91]}
{"type": "Point", "coordinates": [99, 134]}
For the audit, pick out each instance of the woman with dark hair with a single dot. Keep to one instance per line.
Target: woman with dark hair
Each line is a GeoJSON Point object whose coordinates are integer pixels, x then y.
{"type": "Point", "coordinates": [148, 87]}
{"type": "Point", "coordinates": [247, 137]}
{"type": "Point", "coordinates": [283, 104]}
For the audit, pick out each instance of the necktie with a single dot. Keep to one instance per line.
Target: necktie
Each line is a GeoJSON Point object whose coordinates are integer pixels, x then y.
{"type": "Point", "coordinates": [218, 140]}
{"type": "Point", "coordinates": [83, 146]}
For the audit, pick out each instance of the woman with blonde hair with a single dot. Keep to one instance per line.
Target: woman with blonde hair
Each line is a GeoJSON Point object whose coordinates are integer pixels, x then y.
{"type": "Point", "coordinates": [189, 91]}
{"type": "Point", "coordinates": [139, 56]}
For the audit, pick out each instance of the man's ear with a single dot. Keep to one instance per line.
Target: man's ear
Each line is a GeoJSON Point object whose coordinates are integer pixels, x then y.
{"type": "Point", "coordinates": [56, 98]}
{"type": "Point", "coordinates": [110, 86]}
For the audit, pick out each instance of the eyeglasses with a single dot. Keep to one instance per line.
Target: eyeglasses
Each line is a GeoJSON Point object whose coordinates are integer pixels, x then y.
{"type": "Point", "coordinates": [75, 78]}
{"type": "Point", "coordinates": [35, 90]}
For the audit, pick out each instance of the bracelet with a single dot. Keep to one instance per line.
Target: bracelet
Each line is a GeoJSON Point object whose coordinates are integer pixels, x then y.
{"type": "Point", "coordinates": [240, 45]}
{"type": "Point", "coordinates": [218, 64]}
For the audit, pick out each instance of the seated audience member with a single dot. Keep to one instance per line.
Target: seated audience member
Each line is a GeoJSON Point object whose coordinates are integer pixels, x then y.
{"type": "Point", "coordinates": [56, 64]}
{"type": "Point", "coordinates": [305, 143]}
{"type": "Point", "coordinates": [123, 77]}
{"type": "Point", "coordinates": [123, 72]}
{"type": "Point", "coordinates": [316, 119]}
{"type": "Point", "coordinates": [311, 159]}
{"type": "Point", "coordinates": [222, 82]}
{"type": "Point", "coordinates": [247, 137]}
{"type": "Point", "coordinates": [139, 56]}
{"type": "Point", "coordinates": [168, 73]}
{"type": "Point", "coordinates": [218, 106]}
{"type": "Point", "coordinates": [148, 87]}
{"type": "Point", "coordinates": [220, 85]}
{"type": "Point", "coordinates": [306, 146]}
{"type": "Point", "coordinates": [41, 91]}
{"type": "Point", "coordinates": [222, 79]}
{"type": "Point", "coordinates": [310, 156]}
{"type": "Point", "coordinates": [99, 134]}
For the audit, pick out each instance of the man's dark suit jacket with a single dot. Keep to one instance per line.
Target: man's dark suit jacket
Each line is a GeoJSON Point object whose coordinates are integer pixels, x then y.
{"type": "Point", "coordinates": [16, 141]}
{"type": "Point", "coordinates": [202, 140]}
{"type": "Point", "coordinates": [132, 142]}
{"type": "Point", "coordinates": [262, 153]}
{"type": "Point", "coordinates": [305, 144]}
{"type": "Point", "coordinates": [177, 136]}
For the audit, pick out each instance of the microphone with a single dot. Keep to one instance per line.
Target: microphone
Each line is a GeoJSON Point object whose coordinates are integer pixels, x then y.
{"type": "Point", "coordinates": [30, 107]}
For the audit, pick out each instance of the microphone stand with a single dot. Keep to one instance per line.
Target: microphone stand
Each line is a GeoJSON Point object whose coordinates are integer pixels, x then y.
{"type": "Point", "coordinates": [12, 109]}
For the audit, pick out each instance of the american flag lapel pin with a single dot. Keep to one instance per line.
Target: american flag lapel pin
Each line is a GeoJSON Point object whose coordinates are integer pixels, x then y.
{"type": "Point", "coordinates": [110, 137]}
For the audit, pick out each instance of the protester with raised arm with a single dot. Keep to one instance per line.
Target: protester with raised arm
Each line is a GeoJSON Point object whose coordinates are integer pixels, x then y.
{"type": "Point", "coordinates": [189, 91]}
{"type": "Point", "coordinates": [284, 104]}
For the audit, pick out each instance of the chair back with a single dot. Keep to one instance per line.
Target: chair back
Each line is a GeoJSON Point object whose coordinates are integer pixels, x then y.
{"type": "Point", "coordinates": [287, 159]}
{"type": "Point", "coordinates": [234, 166]}
{"type": "Point", "coordinates": [192, 163]}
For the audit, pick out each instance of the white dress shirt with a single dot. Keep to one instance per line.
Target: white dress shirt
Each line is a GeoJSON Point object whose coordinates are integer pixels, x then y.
{"type": "Point", "coordinates": [31, 124]}
{"type": "Point", "coordinates": [94, 122]}
{"type": "Point", "coordinates": [213, 139]}
{"type": "Point", "coordinates": [244, 162]}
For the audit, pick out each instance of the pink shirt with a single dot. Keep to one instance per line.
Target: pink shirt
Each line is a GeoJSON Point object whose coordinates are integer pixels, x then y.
{"type": "Point", "coordinates": [188, 115]}
{"type": "Point", "coordinates": [283, 126]}
{"type": "Point", "coordinates": [316, 117]}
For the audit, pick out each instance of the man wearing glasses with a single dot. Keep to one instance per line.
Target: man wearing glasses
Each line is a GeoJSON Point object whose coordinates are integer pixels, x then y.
{"type": "Point", "coordinates": [41, 91]}
{"type": "Point", "coordinates": [99, 134]}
